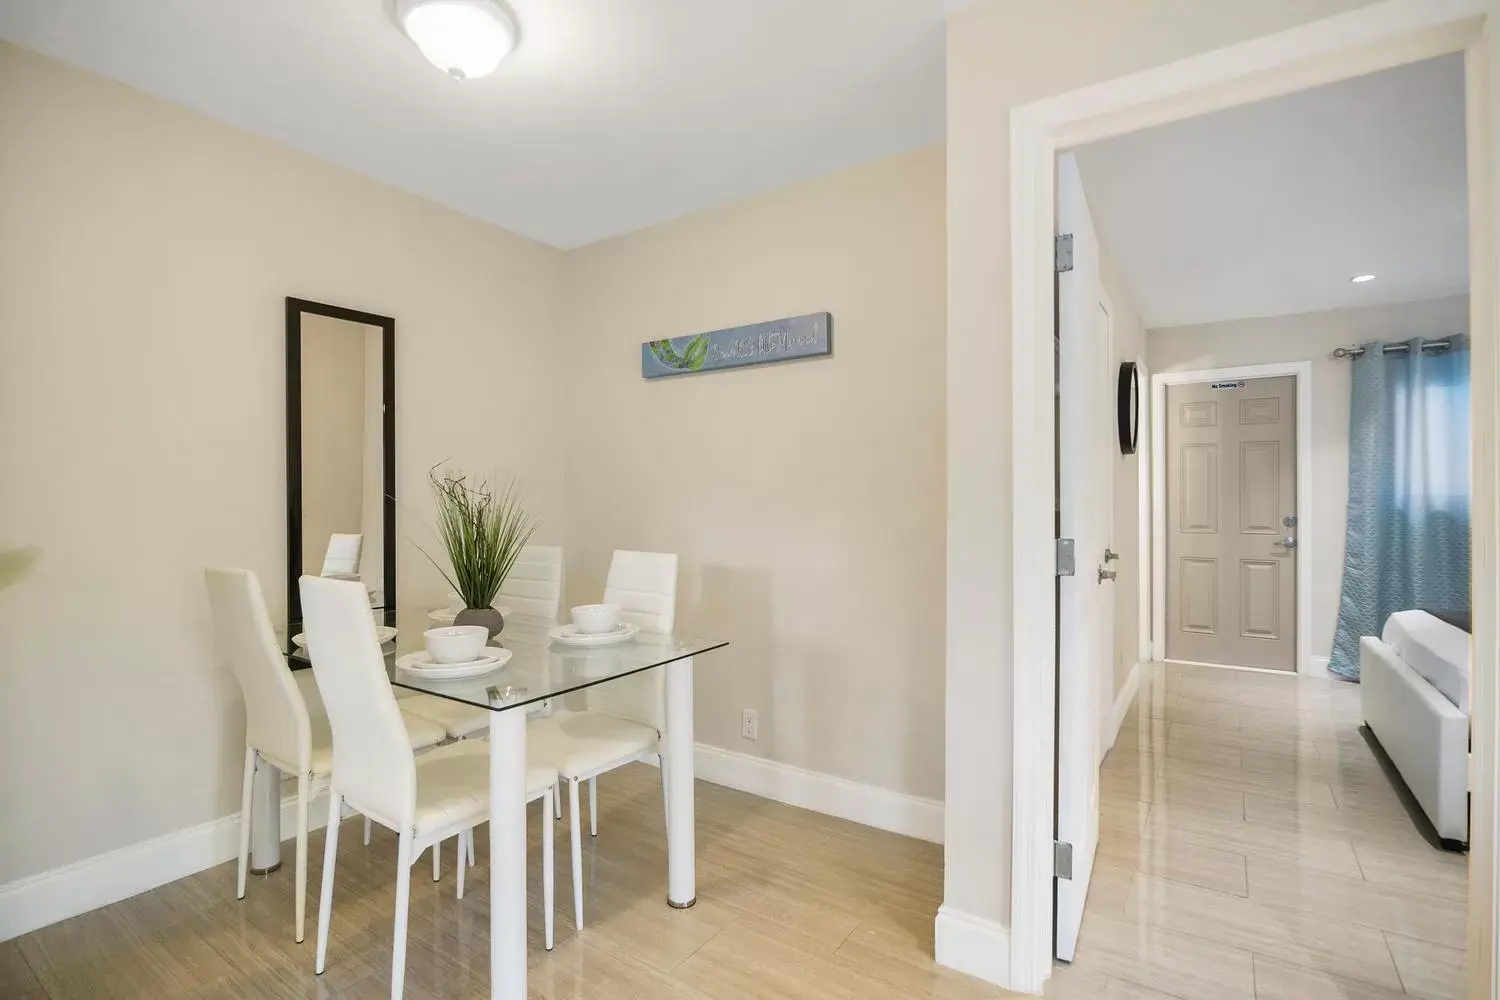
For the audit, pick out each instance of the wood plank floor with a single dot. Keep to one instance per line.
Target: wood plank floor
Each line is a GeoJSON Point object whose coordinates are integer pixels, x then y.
{"type": "Point", "coordinates": [1251, 847]}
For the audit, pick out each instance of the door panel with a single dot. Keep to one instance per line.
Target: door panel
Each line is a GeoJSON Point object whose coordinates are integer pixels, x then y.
{"type": "Point", "coordinates": [1231, 583]}
{"type": "Point", "coordinates": [1260, 487]}
{"type": "Point", "coordinates": [1200, 595]}
{"type": "Point", "coordinates": [1200, 488]}
{"type": "Point", "coordinates": [1266, 410]}
{"type": "Point", "coordinates": [1086, 637]}
{"type": "Point", "coordinates": [1205, 414]}
{"type": "Point", "coordinates": [1259, 601]}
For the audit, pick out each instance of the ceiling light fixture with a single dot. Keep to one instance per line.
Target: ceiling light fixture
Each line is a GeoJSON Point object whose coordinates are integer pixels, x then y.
{"type": "Point", "coordinates": [1360, 279]}
{"type": "Point", "coordinates": [464, 38]}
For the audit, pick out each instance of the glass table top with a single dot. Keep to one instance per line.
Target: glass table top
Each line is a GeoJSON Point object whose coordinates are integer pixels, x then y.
{"type": "Point", "coordinates": [539, 668]}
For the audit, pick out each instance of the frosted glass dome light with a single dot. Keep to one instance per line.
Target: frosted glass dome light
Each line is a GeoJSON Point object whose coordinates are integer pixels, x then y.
{"type": "Point", "coordinates": [464, 38]}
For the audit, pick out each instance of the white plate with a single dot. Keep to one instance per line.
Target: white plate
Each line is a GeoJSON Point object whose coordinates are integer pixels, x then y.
{"type": "Point", "coordinates": [445, 616]}
{"type": "Point", "coordinates": [568, 635]}
{"type": "Point", "coordinates": [418, 665]}
{"type": "Point", "coordinates": [383, 635]}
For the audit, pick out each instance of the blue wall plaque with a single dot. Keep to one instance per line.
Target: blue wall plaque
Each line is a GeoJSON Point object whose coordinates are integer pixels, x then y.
{"type": "Point", "coordinates": [757, 344]}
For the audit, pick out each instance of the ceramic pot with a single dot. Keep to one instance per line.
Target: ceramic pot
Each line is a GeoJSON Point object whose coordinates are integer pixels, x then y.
{"type": "Point", "coordinates": [488, 617]}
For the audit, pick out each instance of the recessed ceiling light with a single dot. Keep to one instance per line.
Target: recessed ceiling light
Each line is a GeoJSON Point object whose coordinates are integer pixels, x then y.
{"type": "Point", "coordinates": [1360, 279]}
{"type": "Point", "coordinates": [463, 38]}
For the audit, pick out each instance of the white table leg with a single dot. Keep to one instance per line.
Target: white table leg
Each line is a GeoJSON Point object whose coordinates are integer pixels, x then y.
{"type": "Point", "coordinates": [265, 831]}
{"type": "Point", "coordinates": [682, 880]}
{"type": "Point", "coordinates": [508, 855]}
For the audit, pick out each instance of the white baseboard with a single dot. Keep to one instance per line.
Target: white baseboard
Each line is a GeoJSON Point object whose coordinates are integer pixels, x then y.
{"type": "Point", "coordinates": [972, 945]}
{"type": "Point", "coordinates": [1117, 714]}
{"type": "Point", "coordinates": [1319, 667]}
{"type": "Point", "coordinates": [824, 793]}
{"type": "Point", "coordinates": [38, 900]}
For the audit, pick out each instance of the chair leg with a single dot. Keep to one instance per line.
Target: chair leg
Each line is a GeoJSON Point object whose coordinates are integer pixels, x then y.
{"type": "Point", "coordinates": [303, 787]}
{"type": "Point", "coordinates": [472, 862]}
{"type": "Point", "coordinates": [549, 831]}
{"type": "Point", "coordinates": [403, 899]}
{"type": "Point", "coordinates": [577, 851]}
{"type": "Point", "coordinates": [666, 814]}
{"type": "Point", "coordinates": [245, 806]}
{"type": "Point", "coordinates": [325, 898]}
{"type": "Point", "coordinates": [367, 831]}
{"type": "Point", "coordinates": [463, 840]}
{"type": "Point", "coordinates": [594, 806]}
{"type": "Point", "coordinates": [437, 859]}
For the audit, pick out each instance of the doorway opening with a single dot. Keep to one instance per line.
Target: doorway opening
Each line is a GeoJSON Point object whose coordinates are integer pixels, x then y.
{"type": "Point", "coordinates": [1366, 41]}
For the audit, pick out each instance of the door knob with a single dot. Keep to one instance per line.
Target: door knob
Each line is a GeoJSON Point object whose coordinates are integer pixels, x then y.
{"type": "Point", "coordinates": [1108, 555]}
{"type": "Point", "coordinates": [1106, 574]}
{"type": "Point", "coordinates": [1288, 542]}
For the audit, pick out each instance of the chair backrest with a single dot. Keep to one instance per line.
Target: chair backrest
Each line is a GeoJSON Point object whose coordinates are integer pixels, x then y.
{"type": "Point", "coordinates": [342, 557]}
{"type": "Point", "coordinates": [276, 716]}
{"type": "Point", "coordinates": [372, 760]}
{"type": "Point", "coordinates": [644, 585]}
{"type": "Point", "coordinates": [534, 586]}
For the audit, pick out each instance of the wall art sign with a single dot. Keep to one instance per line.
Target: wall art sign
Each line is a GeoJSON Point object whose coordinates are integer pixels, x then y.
{"type": "Point", "coordinates": [808, 336]}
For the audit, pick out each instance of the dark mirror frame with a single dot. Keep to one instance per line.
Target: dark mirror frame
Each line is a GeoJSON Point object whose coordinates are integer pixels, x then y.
{"type": "Point", "coordinates": [295, 308]}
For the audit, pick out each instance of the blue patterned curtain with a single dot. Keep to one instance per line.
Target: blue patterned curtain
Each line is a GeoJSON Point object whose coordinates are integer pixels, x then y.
{"type": "Point", "coordinates": [1407, 543]}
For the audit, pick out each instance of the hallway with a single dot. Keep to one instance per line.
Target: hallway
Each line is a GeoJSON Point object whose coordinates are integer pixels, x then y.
{"type": "Point", "coordinates": [1252, 846]}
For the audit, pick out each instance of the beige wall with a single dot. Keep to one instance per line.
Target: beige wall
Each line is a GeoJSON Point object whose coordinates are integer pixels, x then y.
{"type": "Point", "coordinates": [333, 434]}
{"type": "Point", "coordinates": [144, 255]}
{"type": "Point", "coordinates": [1003, 53]}
{"type": "Point", "coordinates": [805, 499]}
{"type": "Point", "coordinates": [1129, 345]}
{"type": "Point", "coordinates": [1311, 337]}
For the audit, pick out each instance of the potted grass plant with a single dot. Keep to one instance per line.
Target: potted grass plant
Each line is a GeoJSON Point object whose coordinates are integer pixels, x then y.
{"type": "Point", "coordinates": [483, 530]}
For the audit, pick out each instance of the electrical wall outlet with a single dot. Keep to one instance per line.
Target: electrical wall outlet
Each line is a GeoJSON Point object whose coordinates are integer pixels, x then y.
{"type": "Point", "coordinates": [750, 724]}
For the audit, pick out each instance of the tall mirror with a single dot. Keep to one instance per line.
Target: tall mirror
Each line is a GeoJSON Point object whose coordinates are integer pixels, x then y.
{"type": "Point", "coordinates": [341, 450]}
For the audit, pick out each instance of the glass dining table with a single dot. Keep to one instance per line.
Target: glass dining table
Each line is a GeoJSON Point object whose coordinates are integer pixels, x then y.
{"type": "Point", "coordinates": [540, 669]}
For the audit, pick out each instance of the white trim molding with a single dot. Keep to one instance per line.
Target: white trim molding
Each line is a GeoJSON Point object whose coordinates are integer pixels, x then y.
{"type": "Point", "coordinates": [1306, 525]}
{"type": "Point", "coordinates": [45, 898]}
{"type": "Point", "coordinates": [1372, 37]}
{"type": "Point", "coordinates": [825, 793]}
{"type": "Point", "coordinates": [972, 945]}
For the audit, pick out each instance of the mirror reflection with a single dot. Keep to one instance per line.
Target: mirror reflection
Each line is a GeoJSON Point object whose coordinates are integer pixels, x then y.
{"type": "Point", "coordinates": [342, 513]}
{"type": "Point", "coordinates": [340, 517]}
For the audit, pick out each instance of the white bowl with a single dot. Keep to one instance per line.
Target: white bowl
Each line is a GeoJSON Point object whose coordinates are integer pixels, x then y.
{"type": "Point", "coordinates": [592, 619]}
{"type": "Point", "coordinates": [456, 643]}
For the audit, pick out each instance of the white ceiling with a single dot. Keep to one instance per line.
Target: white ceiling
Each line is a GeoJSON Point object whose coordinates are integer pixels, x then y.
{"type": "Point", "coordinates": [1270, 208]}
{"type": "Point", "coordinates": [609, 115]}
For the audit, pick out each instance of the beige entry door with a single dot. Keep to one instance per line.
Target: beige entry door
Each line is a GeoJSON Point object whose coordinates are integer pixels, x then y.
{"type": "Point", "coordinates": [1231, 522]}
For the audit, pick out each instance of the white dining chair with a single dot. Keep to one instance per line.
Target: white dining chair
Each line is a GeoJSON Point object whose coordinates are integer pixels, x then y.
{"type": "Point", "coordinates": [444, 793]}
{"type": "Point", "coordinates": [281, 729]}
{"type": "Point", "coordinates": [341, 561]}
{"type": "Point", "coordinates": [533, 589]}
{"type": "Point", "coordinates": [533, 592]}
{"type": "Point", "coordinates": [621, 722]}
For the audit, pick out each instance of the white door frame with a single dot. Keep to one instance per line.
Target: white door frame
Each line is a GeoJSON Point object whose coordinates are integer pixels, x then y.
{"type": "Point", "coordinates": [1302, 372]}
{"type": "Point", "coordinates": [1378, 36]}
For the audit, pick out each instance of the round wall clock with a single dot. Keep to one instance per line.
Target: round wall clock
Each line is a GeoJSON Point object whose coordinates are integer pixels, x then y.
{"type": "Point", "coordinates": [1128, 407]}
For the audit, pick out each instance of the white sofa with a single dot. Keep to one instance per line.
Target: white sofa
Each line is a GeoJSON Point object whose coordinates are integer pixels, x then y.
{"type": "Point", "coordinates": [1414, 683]}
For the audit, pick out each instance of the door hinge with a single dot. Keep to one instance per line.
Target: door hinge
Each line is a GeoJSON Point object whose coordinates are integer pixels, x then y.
{"type": "Point", "coordinates": [1062, 253]}
{"type": "Point", "coordinates": [1066, 565]}
{"type": "Point", "coordinates": [1062, 860]}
